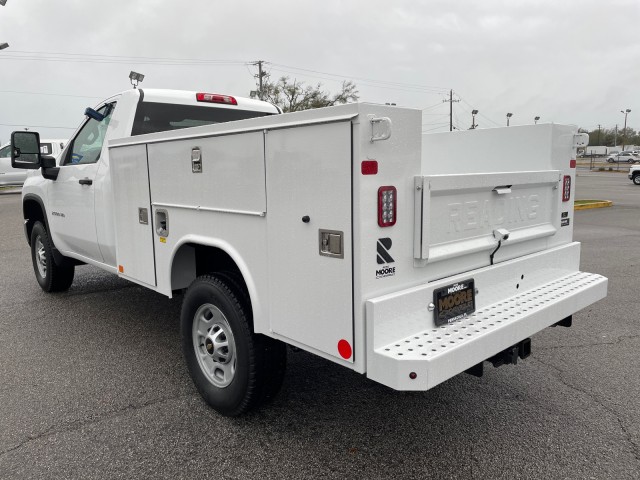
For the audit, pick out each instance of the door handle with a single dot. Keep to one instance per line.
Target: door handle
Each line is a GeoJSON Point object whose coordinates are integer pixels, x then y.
{"type": "Point", "coordinates": [85, 181]}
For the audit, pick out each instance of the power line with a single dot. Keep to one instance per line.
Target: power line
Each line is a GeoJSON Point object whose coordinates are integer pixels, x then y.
{"type": "Point", "coordinates": [128, 57]}
{"type": "Point", "coordinates": [33, 126]}
{"type": "Point", "coordinates": [49, 94]}
{"type": "Point", "coordinates": [434, 89]}
{"type": "Point", "coordinates": [360, 82]}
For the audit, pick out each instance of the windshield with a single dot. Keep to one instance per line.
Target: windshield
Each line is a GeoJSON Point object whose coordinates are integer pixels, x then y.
{"type": "Point", "coordinates": [160, 117]}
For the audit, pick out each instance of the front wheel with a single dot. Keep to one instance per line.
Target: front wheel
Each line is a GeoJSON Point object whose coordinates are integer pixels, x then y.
{"type": "Point", "coordinates": [51, 276]}
{"type": "Point", "coordinates": [610, 160]}
{"type": "Point", "coordinates": [636, 179]}
{"type": "Point", "coordinates": [630, 160]}
{"type": "Point", "coordinates": [234, 369]}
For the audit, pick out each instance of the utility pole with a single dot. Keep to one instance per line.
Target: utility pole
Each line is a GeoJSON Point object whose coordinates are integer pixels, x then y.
{"type": "Point", "coordinates": [599, 127]}
{"type": "Point", "coordinates": [615, 141]}
{"type": "Point", "coordinates": [260, 76]}
{"type": "Point", "coordinates": [450, 100]}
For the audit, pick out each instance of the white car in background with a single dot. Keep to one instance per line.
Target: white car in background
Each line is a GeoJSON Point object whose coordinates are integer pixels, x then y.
{"type": "Point", "coordinates": [627, 157]}
{"type": "Point", "coordinates": [15, 176]}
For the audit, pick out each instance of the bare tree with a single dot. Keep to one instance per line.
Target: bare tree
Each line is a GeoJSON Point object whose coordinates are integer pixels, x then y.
{"type": "Point", "coordinates": [294, 95]}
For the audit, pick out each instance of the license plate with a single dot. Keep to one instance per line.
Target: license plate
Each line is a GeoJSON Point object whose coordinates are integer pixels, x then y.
{"type": "Point", "coordinates": [454, 302]}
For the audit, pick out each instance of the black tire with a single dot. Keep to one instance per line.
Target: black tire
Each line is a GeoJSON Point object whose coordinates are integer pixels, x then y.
{"type": "Point", "coordinates": [610, 160]}
{"type": "Point", "coordinates": [630, 160]}
{"type": "Point", "coordinates": [636, 179]}
{"type": "Point", "coordinates": [51, 276]}
{"type": "Point", "coordinates": [259, 361]}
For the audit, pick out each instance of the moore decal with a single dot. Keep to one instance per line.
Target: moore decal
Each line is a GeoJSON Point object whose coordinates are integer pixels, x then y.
{"type": "Point", "coordinates": [385, 272]}
{"type": "Point", "coordinates": [456, 288]}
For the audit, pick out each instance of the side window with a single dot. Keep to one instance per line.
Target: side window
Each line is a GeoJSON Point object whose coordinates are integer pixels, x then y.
{"type": "Point", "coordinates": [87, 145]}
{"type": "Point", "coordinates": [5, 152]}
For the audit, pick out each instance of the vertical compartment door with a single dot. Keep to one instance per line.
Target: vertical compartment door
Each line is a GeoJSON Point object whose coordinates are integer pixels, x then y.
{"type": "Point", "coordinates": [133, 215]}
{"type": "Point", "coordinates": [309, 229]}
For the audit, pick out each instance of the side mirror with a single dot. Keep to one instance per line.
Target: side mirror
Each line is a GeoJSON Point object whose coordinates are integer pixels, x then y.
{"type": "Point", "coordinates": [91, 113]}
{"type": "Point", "coordinates": [25, 150]}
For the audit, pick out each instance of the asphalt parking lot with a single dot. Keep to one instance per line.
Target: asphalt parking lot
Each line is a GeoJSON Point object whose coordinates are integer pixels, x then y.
{"type": "Point", "coordinates": [93, 385]}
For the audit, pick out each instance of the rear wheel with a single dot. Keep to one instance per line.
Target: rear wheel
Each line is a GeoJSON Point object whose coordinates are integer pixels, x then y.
{"type": "Point", "coordinates": [233, 368]}
{"type": "Point", "coordinates": [51, 276]}
{"type": "Point", "coordinates": [636, 179]}
{"type": "Point", "coordinates": [610, 160]}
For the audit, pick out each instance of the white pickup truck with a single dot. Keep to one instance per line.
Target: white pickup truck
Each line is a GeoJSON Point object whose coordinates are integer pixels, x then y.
{"type": "Point", "coordinates": [342, 231]}
{"type": "Point", "coordinates": [634, 174]}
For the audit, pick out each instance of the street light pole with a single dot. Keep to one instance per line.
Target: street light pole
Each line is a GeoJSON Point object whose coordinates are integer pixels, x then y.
{"type": "Point", "coordinates": [535, 119]}
{"type": "Point", "coordinates": [624, 132]}
{"type": "Point", "coordinates": [509, 115]}
{"type": "Point", "coordinates": [473, 119]}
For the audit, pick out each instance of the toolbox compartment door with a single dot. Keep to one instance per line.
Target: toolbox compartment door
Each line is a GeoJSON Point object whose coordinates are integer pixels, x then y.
{"type": "Point", "coordinates": [309, 190]}
{"type": "Point", "coordinates": [133, 216]}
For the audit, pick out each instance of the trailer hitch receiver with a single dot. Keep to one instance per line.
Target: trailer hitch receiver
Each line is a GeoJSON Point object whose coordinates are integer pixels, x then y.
{"type": "Point", "coordinates": [510, 355]}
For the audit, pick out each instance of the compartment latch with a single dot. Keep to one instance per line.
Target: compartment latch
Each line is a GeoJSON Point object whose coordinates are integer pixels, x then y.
{"type": "Point", "coordinates": [331, 243]}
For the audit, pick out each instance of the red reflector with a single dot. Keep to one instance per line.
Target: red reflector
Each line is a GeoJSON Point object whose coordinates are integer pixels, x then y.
{"type": "Point", "coordinates": [566, 188]}
{"type": "Point", "coordinates": [572, 164]}
{"type": "Point", "coordinates": [344, 349]}
{"type": "Point", "coordinates": [215, 98]}
{"type": "Point", "coordinates": [387, 202]}
{"type": "Point", "coordinates": [369, 167]}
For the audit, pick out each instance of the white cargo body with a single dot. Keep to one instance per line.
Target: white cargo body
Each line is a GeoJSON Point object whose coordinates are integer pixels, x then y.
{"type": "Point", "coordinates": [294, 200]}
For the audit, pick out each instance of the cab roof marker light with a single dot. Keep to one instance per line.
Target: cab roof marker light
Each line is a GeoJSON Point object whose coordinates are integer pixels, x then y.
{"type": "Point", "coordinates": [216, 98]}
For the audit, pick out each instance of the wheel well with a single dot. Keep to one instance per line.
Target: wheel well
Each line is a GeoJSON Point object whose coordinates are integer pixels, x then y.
{"type": "Point", "coordinates": [32, 212]}
{"type": "Point", "coordinates": [192, 260]}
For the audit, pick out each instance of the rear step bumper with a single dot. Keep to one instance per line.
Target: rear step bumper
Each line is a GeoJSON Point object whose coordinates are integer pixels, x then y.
{"type": "Point", "coordinates": [429, 356]}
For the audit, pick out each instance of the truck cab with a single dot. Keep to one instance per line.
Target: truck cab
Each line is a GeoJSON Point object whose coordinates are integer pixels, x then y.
{"type": "Point", "coordinates": [75, 198]}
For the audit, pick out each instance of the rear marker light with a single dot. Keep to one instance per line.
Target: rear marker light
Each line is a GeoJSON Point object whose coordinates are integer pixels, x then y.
{"type": "Point", "coordinates": [344, 349]}
{"type": "Point", "coordinates": [572, 164]}
{"type": "Point", "coordinates": [387, 203]}
{"type": "Point", "coordinates": [369, 167]}
{"type": "Point", "coordinates": [216, 98]}
{"type": "Point", "coordinates": [566, 188]}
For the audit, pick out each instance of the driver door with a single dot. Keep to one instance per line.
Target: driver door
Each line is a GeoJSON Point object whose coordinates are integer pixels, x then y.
{"type": "Point", "coordinates": [72, 218]}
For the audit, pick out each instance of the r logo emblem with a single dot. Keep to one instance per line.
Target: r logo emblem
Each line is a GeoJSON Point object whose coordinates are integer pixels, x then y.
{"type": "Point", "coordinates": [384, 245]}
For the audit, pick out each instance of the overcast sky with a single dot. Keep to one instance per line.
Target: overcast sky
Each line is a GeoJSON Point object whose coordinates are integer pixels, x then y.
{"type": "Point", "coordinates": [568, 61]}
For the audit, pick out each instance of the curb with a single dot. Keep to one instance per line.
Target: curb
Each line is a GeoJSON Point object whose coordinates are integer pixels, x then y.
{"type": "Point", "coordinates": [593, 204]}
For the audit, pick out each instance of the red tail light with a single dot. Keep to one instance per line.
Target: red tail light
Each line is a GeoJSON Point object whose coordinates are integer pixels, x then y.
{"type": "Point", "coordinates": [387, 202]}
{"type": "Point", "coordinates": [215, 98]}
{"type": "Point", "coordinates": [566, 188]}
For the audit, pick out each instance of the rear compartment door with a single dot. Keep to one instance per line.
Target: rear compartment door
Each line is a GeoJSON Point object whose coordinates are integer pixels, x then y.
{"type": "Point", "coordinates": [308, 173]}
{"type": "Point", "coordinates": [457, 215]}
